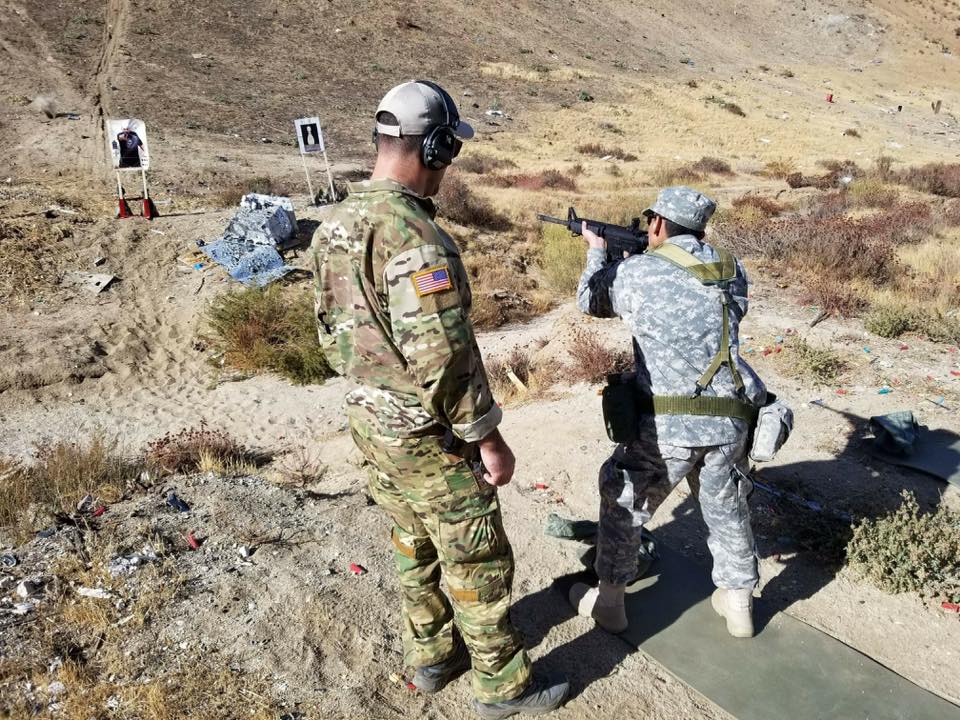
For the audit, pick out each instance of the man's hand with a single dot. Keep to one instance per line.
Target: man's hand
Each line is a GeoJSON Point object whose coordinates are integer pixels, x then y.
{"type": "Point", "coordinates": [593, 240]}
{"type": "Point", "coordinates": [497, 458]}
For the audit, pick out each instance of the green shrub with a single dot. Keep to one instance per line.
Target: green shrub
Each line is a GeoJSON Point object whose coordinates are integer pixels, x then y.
{"type": "Point", "coordinates": [890, 321]}
{"type": "Point", "coordinates": [909, 551]}
{"type": "Point", "coordinates": [271, 330]}
{"type": "Point", "coordinates": [564, 257]}
{"type": "Point", "coordinates": [821, 365]}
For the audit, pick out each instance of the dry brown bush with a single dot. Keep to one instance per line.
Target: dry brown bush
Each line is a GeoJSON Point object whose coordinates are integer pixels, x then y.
{"type": "Point", "coordinates": [481, 164]}
{"type": "Point", "coordinates": [667, 175]}
{"type": "Point", "coordinates": [553, 179]}
{"type": "Point", "coordinates": [780, 169]}
{"type": "Point", "coordinates": [593, 360]}
{"type": "Point", "coordinates": [934, 178]}
{"type": "Point", "coordinates": [767, 207]}
{"type": "Point", "coordinates": [457, 202]}
{"type": "Point", "coordinates": [951, 213]}
{"type": "Point", "coordinates": [713, 165]}
{"type": "Point", "coordinates": [840, 250]}
{"type": "Point", "coordinates": [199, 450]}
{"type": "Point", "coordinates": [600, 151]}
{"type": "Point", "coordinates": [503, 292]}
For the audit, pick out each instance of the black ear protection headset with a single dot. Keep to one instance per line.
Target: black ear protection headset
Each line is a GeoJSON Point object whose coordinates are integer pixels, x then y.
{"type": "Point", "coordinates": [440, 145]}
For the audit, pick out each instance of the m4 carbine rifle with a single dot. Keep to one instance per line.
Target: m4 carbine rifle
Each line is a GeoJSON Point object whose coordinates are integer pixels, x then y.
{"type": "Point", "coordinates": [630, 239]}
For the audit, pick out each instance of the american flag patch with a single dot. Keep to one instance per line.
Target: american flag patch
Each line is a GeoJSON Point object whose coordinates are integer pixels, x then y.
{"type": "Point", "coordinates": [432, 280]}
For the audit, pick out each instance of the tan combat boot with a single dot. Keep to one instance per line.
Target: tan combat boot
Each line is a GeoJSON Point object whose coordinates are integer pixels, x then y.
{"type": "Point", "coordinates": [737, 607]}
{"type": "Point", "coordinates": [604, 604]}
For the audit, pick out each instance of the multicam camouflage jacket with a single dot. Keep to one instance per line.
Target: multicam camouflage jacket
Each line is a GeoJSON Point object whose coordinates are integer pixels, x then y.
{"type": "Point", "coordinates": [393, 304]}
{"type": "Point", "coordinates": [676, 327]}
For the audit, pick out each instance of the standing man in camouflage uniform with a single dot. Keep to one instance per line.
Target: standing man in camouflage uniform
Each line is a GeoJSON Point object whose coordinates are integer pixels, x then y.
{"type": "Point", "coordinates": [695, 405]}
{"type": "Point", "coordinates": [393, 306]}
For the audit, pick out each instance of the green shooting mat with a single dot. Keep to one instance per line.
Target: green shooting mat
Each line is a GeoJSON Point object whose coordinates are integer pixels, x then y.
{"type": "Point", "coordinates": [789, 670]}
{"type": "Point", "coordinates": [935, 452]}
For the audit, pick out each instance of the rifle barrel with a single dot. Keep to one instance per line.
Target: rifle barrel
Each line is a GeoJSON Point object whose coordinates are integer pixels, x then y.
{"type": "Point", "coordinates": [550, 219]}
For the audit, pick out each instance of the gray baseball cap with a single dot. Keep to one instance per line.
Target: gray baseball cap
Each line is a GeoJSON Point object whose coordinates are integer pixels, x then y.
{"type": "Point", "coordinates": [684, 206]}
{"type": "Point", "coordinates": [420, 106]}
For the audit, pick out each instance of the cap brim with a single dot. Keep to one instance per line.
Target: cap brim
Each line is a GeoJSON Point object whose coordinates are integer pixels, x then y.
{"type": "Point", "coordinates": [648, 212]}
{"type": "Point", "coordinates": [463, 131]}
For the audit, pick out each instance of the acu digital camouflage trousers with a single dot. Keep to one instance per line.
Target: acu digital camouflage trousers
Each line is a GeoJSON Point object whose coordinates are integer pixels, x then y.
{"type": "Point", "coordinates": [637, 478]}
{"type": "Point", "coordinates": [447, 522]}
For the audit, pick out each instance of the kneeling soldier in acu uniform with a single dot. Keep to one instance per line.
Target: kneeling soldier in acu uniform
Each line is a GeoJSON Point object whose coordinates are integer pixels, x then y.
{"type": "Point", "coordinates": [694, 398]}
{"type": "Point", "coordinates": [393, 306]}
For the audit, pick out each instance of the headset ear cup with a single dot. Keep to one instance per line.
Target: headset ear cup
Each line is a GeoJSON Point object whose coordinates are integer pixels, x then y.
{"type": "Point", "coordinates": [436, 152]}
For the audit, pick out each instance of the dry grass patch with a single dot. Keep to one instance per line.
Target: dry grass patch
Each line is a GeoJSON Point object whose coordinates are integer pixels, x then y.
{"type": "Point", "coordinates": [543, 180]}
{"type": "Point", "coordinates": [482, 164]}
{"type": "Point", "coordinates": [601, 151]}
{"type": "Point", "coordinates": [457, 202]}
{"type": "Point", "coordinates": [563, 259]}
{"type": "Point", "coordinates": [593, 360]}
{"type": "Point", "coordinates": [910, 551]}
{"type": "Point", "coordinates": [780, 169]}
{"type": "Point", "coordinates": [30, 257]}
{"type": "Point", "coordinates": [667, 175]}
{"type": "Point", "coordinates": [535, 377]}
{"type": "Point", "coordinates": [61, 474]}
{"type": "Point", "coordinates": [267, 330]}
{"type": "Point", "coordinates": [872, 193]}
{"type": "Point", "coordinates": [230, 196]}
{"type": "Point", "coordinates": [193, 450]}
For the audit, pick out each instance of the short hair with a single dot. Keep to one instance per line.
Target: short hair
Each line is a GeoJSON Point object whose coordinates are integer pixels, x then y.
{"type": "Point", "coordinates": [404, 145]}
{"type": "Point", "coordinates": [674, 229]}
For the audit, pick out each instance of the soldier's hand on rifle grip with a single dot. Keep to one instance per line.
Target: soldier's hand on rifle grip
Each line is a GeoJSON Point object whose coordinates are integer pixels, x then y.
{"type": "Point", "coordinates": [497, 458]}
{"type": "Point", "coordinates": [593, 240]}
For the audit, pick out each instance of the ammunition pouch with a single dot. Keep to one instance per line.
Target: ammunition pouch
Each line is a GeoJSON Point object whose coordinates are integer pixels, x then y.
{"type": "Point", "coordinates": [621, 407]}
{"type": "Point", "coordinates": [773, 426]}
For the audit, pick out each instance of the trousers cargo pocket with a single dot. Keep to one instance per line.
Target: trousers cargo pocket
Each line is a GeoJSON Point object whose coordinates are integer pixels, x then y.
{"type": "Point", "coordinates": [492, 591]}
{"type": "Point", "coordinates": [412, 547]}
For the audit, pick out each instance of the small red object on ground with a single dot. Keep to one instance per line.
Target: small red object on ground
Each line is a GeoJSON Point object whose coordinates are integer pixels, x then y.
{"type": "Point", "coordinates": [955, 373]}
{"type": "Point", "coordinates": [192, 541]}
{"type": "Point", "coordinates": [830, 98]}
{"type": "Point", "coordinates": [952, 607]}
{"type": "Point", "coordinates": [904, 347]}
{"type": "Point", "coordinates": [540, 486]}
{"type": "Point", "coordinates": [841, 391]}
{"type": "Point", "coordinates": [411, 686]}
{"type": "Point", "coordinates": [357, 569]}
{"type": "Point", "coordinates": [99, 511]}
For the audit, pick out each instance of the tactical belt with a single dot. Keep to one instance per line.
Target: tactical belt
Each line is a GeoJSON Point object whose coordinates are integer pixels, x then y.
{"type": "Point", "coordinates": [701, 405]}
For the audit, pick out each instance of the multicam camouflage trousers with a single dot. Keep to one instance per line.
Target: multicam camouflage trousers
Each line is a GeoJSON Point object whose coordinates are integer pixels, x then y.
{"type": "Point", "coordinates": [639, 476]}
{"type": "Point", "coordinates": [447, 521]}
